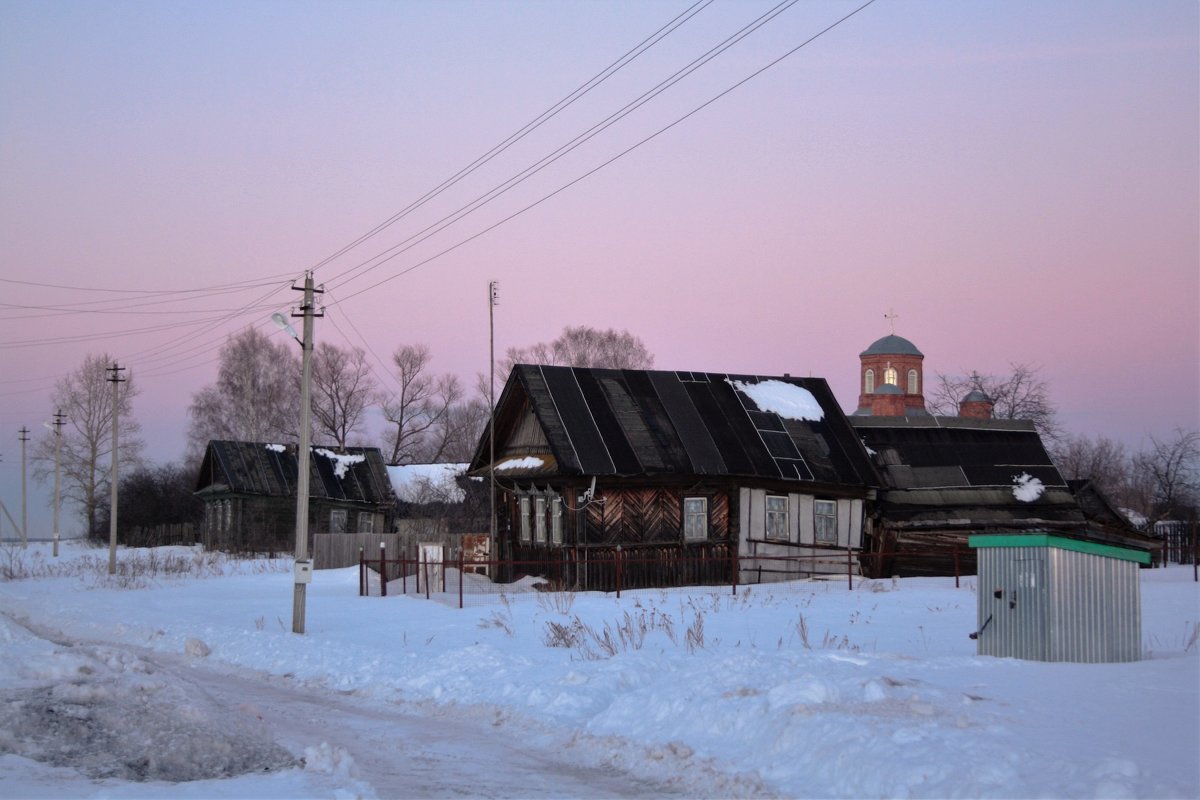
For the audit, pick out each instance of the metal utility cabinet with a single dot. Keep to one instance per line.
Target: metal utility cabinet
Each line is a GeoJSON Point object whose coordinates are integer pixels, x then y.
{"type": "Point", "coordinates": [1049, 598]}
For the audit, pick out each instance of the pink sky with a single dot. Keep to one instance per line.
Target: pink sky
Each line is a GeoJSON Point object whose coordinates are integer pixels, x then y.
{"type": "Point", "coordinates": [1018, 181]}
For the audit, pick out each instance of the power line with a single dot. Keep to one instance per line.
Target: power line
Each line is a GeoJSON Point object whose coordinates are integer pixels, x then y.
{"type": "Point", "coordinates": [611, 160]}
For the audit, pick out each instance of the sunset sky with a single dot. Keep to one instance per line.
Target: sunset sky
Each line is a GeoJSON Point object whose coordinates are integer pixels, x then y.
{"type": "Point", "coordinates": [1018, 181]}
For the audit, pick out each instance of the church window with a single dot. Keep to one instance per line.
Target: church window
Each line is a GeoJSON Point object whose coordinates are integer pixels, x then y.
{"type": "Point", "coordinates": [890, 376]}
{"type": "Point", "coordinates": [869, 382]}
{"type": "Point", "coordinates": [913, 387]}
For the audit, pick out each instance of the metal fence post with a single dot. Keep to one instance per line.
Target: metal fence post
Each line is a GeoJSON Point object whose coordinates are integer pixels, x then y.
{"type": "Point", "coordinates": [362, 573]}
{"type": "Point", "coordinates": [383, 569]}
{"type": "Point", "coordinates": [461, 575]}
{"type": "Point", "coordinates": [850, 568]}
{"type": "Point", "coordinates": [733, 558]}
{"type": "Point", "coordinates": [617, 568]}
{"type": "Point", "coordinates": [956, 566]}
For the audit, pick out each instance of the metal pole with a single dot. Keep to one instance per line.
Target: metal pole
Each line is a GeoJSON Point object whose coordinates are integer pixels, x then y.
{"type": "Point", "coordinates": [58, 423]}
{"type": "Point", "coordinates": [116, 380]}
{"type": "Point", "coordinates": [492, 299]}
{"type": "Point", "coordinates": [303, 567]}
{"type": "Point", "coordinates": [24, 513]}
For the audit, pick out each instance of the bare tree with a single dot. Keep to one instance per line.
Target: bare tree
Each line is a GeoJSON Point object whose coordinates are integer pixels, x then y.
{"type": "Point", "coordinates": [1167, 476]}
{"type": "Point", "coordinates": [455, 438]}
{"type": "Point", "coordinates": [419, 404]}
{"type": "Point", "coordinates": [343, 389]}
{"type": "Point", "coordinates": [86, 399]}
{"type": "Point", "coordinates": [583, 347]}
{"type": "Point", "coordinates": [1023, 394]}
{"type": "Point", "coordinates": [256, 397]}
{"type": "Point", "coordinates": [1101, 460]}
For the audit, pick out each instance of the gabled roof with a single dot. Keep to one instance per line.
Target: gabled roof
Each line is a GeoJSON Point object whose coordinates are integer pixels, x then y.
{"type": "Point", "coordinates": [607, 422]}
{"type": "Point", "coordinates": [255, 468]}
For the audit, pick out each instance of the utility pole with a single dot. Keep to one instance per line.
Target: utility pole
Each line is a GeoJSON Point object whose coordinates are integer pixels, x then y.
{"type": "Point", "coordinates": [58, 423]}
{"type": "Point", "coordinates": [24, 512]}
{"type": "Point", "coordinates": [493, 300]}
{"type": "Point", "coordinates": [116, 380]}
{"type": "Point", "coordinates": [303, 566]}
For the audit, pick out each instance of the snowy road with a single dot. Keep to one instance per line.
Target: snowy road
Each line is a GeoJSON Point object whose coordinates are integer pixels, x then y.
{"type": "Point", "coordinates": [368, 745]}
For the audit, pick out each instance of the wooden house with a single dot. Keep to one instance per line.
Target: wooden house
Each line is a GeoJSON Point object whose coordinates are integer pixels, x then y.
{"type": "Point", "coordinates": [680, 471]}
{"type": "Point", "coordinates": [947, 478]}
{"type": "Point", "coordinates": [249, 494]}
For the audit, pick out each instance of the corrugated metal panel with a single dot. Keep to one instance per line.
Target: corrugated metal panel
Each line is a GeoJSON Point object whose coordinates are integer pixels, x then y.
{"type": "Point", "coordinates": [1048, 603]}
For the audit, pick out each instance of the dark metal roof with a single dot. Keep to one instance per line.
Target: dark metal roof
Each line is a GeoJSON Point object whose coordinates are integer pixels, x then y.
{"type": "Point", "coordinates": [642, 423]}
{"type": "Point", "coordinates": [261, 469]}
{"type": "Point", "coordinates": [892, 345]}
{"type": "Point", "coordinates": [948, 452]}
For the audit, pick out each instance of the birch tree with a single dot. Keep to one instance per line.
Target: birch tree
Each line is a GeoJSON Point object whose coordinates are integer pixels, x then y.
{"type": "Point", "coordinates": [85, 397]}
{"type": "Point", "coordinates": [342, 391]}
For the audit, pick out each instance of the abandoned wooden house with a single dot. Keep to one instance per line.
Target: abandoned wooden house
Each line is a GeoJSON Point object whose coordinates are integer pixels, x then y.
{"type": "Point", "coordinates": [948, 477]}
{"type": "Point", "coordinates": [678, 470]}
{"type": "Point", "coordinates": [249, 494]}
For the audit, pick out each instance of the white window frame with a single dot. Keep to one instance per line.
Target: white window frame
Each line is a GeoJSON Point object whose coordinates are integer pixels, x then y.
{"type": "Point", "coordinates": [776, 521]}
{"type": "Point", "coordinates": [338, 520]}
{"type": "Point", "coordinates": [526, 534]}
{"type": "Point", "coordinates": [556, 520]}
{"type": "Point", "coordinates": [914, 386]}
{"type": "Point", "coordinates": [869, 382]}
{"type": "Point", "coordinates": [825, 519]}
{"type": "Point", "coordinates": [366, 522]}
{"type": "Point", "coordinates": [695, 519]}
{"type": "Point", "coordinates": [539, 520]}
{"type": "Point", "coordinates": [891, 377]}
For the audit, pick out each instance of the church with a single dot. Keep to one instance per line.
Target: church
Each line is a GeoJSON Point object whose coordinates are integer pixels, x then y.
{"type": "Point", "coordinates": [945, 478]}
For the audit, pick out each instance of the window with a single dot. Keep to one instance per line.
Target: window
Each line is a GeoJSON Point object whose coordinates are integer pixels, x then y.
{"type": "Point", "coordinates": [913, 388]}
{"type": "Point", "coordinates": [695, 519]}
{"type": "Point", "coordinates": [556, 521]}
{"type": "Point", "coordinates": [539, 520]}
{"type": "Point", "coordinates": [869, 382]}
{"type": "Point", "coordinates": [227, 515]}
{"type": "Point", "coordinates": [777, 517]}
{"type": "Point", "coordinates": [337, 520]}
{"type": "Point", "coordinates": [524, 506]}
{"type": "Point", "coordinates": [366, 522]}
{"type": "Point", "coordinates": [890, 376]}
{"type": "Point", "coordinates": [825, 513]}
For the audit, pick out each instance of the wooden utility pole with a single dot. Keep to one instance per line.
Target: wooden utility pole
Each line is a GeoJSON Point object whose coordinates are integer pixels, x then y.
{"type": "Point", "coordinates": [116, 380]}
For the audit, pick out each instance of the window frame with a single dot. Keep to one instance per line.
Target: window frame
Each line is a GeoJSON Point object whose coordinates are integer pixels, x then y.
{"type": "Point", "coordinates": [693, 517]}
{"type": "Point", "coordinates": [525, 531]}
{"type": "Point", "coordinates": [891, 377]}
{"type": "Point", "coordinates": [777, 519]}
{"type": "Point", "coordinates": [366, 522]}
{"type": "Point", "coordinates": [556, 520]}
{"type": "Point", "coordinates": [338, 520]}
{"type": "Point", "coordinates": [825, 523]}
{"type": "Point", "coordinates": [869, 381]}
{"type": "Point", "coordinates": [914, 383]}
{"type": "Point", "coordinates": [539, 520]}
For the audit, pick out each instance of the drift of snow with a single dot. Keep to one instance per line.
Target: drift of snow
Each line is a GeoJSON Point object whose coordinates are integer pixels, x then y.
{"type": "Point", "coordinates": [341, 461]}
{"type": "Point", "coordinates": [802, 689]}
{"type": "Point", "coordinates": [527, 462]}
{"type": "Point", "coordinates": [423, 483]}
{"type": "Point", "coordinates": [277, 448]}
{"type": "Point", "coordinates": [785, 399]}
{"type": "Point", "coordinates": [1027, 488]}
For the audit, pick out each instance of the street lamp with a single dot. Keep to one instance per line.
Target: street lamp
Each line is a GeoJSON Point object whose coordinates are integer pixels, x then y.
{"type": "Point", "coordinates": [303, 565]}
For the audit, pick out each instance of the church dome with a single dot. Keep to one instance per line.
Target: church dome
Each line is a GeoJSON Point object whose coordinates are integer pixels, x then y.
{"type": "Point", "coordinates": [976, 396]}
{"type": "Point", "coordinates": [892, 345]}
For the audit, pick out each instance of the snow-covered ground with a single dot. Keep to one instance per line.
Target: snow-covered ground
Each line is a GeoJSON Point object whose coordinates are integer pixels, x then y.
{"type": "Point", "coordinates": [186, 680]}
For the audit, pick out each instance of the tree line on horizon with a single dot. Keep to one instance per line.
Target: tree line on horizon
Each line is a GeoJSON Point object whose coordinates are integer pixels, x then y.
{"type": "Point", "coordinates": [432, 418]}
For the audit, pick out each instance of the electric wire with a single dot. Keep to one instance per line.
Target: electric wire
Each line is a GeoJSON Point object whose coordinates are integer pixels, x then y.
{"type": "Point", "coordinates": [611, 160]}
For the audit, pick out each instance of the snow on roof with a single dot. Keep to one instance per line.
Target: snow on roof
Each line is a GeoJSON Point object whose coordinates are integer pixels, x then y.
{"type": "Point", "coordinates": [341, 462]}
{"type": "Point", "coordinates": [426, 483]}
{"type": "Point", "coordinates": [785, 399]}
{"type": "Point", "coordinates": [277, 448]}
{"type": "Point", "coordinates": [1027, 488]}
{"type": "Point", "coordinates": [527, 462]}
